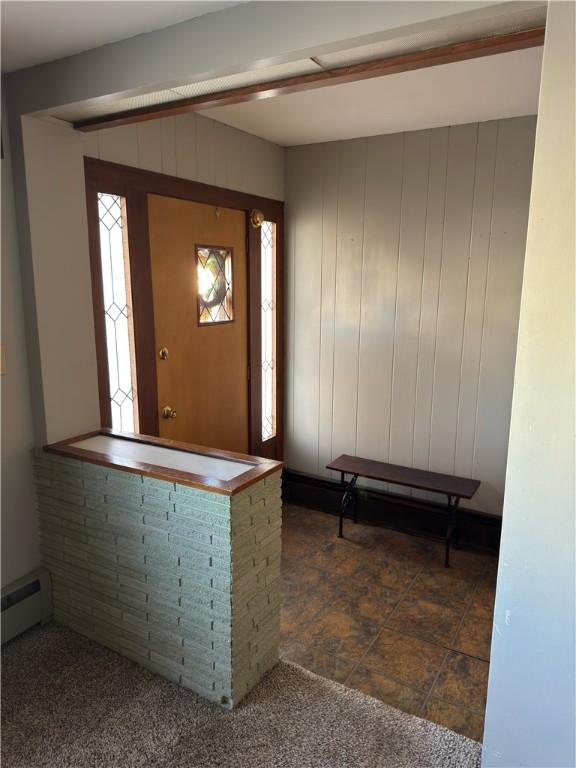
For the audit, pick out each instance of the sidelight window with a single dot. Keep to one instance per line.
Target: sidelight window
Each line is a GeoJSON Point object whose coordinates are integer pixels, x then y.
{"type": "Point", "coordinates": [117, 299]}
{"type": "Point", "coordinates": [268, 327]}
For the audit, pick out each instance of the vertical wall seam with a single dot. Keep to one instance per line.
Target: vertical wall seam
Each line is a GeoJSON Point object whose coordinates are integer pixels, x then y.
{"type": "Point", "coordinates": [320, 315]}
{"type": "Point", "coordinates": [361, 289]}
{"type": "Point", "coordinates": [293, 325]}
{"type": "Point", "coordinates": [334, 304]}
{"type": "Point", "coordinates": [421, 292]}
{"type": "Point", "coordinates": [465, 314]}
{"type": "Point", "coordinates": [175, 144]}
{"type": "Point", "coordinates": [177, 167]}
{"type": "Point", "coordinates": [162, 145]}
{"type": "Point", "coordinates": [396, 296]}
{"type": "Point", "coordinates": [176, 151]}
{"type": "Point", "coordinates": [485, 304]}
{"type": "Point", "coordinates": [438, 298]}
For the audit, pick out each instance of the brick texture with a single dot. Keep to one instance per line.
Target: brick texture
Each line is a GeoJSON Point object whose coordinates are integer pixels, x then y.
{"type": "Point", "coordinates": [182, 581]}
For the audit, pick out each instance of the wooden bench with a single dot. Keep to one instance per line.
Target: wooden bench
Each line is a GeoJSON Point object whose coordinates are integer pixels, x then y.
{"type": "Point", "coordinates": [454, 488]}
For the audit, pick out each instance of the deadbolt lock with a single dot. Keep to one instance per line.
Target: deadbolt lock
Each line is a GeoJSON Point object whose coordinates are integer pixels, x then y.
{"type": "Point", "coordinates": [163, 353]}
{"type": "Point", "coordinates": [168, 412]}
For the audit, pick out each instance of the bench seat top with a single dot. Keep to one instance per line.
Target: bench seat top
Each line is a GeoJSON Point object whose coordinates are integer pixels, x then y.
{"type": "Point", "coordinates": [462, 487]}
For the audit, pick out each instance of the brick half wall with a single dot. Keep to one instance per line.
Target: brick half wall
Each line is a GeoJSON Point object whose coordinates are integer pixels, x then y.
{"type": "Point", "coordinates": [182, 581]}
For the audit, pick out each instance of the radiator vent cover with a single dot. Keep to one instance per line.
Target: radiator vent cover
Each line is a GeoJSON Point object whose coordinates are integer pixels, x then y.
{"type": "Point", "coordinates": [26, 602]}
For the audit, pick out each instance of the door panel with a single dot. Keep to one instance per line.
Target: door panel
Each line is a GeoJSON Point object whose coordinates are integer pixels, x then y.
{"type": "Point", "coordinates": [205, 376]}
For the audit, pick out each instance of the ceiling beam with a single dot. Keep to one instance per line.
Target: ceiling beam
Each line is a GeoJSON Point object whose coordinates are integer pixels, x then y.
{"type": "Point", "coordinates": [406, 62]}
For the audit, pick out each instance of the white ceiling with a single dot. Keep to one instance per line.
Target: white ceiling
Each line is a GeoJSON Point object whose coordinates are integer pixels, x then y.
{"type": "Point", "coordinates": [492, 87]}
{"type": "Point", "coordinates": [34, 32]}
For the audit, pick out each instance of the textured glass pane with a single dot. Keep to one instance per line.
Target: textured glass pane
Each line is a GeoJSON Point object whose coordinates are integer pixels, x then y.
{"type": "Point", "coordinates": [127, 415]}
{"type": "Point", "coordinates": [112, 355]}
{"type": "Point", "coordinates": [214, 276]}
{"type": "Point", "coordinates": [268, 321]}
{"type": "Point", "coordinates": [117, 311]}
{"type": "Point", "coordinates": [116, 415]}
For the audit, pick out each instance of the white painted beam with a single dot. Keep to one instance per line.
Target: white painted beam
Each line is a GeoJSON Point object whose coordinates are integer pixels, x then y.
{"type": "Point", "coordinates": [243, 37]}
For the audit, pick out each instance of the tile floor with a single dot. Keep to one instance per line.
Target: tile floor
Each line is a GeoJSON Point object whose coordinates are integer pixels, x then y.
{"type": "Point", "coordinates": [377, 611]}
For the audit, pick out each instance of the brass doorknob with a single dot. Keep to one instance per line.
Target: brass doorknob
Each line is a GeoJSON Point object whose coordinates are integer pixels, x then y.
{"type": "Point", "coordinates": [168, 412]}
{"type": "Point", "coordinates": [163, 353]}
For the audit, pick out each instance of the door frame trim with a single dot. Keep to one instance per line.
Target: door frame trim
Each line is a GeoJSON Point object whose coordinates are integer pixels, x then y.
{"type": "Point", "coordinates": [135, 184]}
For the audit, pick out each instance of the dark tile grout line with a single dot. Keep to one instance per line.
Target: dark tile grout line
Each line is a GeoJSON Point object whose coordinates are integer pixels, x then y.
{"type": "Point", "coordinates": [456, 705]}
{"type": "Point", "coordinates": [429, 694]}
{"type": "Point", "coordinates": [421, 708]}
{"type": "Point", "coordinates": [426, 692]}
{"type": "Point", "coordinates": [450, 645]}
{"type": "Point", "coordinates": [454, 650]}
{"type": "Point", "coordinates": [370, 645]}
{"type": "Point", "coordinates": [447, 648]}
{"type": "Point", "coordinates": [466, 611]}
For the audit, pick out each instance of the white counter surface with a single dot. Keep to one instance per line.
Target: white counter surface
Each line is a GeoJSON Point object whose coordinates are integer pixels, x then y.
{"type": "Point", "coordinates": [170, 458]}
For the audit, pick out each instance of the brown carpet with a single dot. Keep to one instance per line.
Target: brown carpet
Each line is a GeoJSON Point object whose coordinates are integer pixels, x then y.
{"type": "Point", "coordinates": [67, 702]}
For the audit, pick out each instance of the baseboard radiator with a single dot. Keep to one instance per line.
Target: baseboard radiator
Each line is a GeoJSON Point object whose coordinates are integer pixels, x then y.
{"type": "Point", "coordinates": [26, 602]}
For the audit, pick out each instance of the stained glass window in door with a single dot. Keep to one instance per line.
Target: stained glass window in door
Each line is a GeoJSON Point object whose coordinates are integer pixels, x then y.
{"type": "Point", "coordinates": [116, 293]}
{"type": "Point", "coordinates": [214, 280]}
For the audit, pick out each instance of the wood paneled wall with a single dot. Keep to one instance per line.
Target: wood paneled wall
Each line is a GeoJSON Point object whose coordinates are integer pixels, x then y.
{"type": "Point", "coordinates": [404, 257]}
{"type": "Point", "coordinates": [197, 148]}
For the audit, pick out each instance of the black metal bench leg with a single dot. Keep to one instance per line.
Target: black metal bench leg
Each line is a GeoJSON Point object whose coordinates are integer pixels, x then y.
{"type": "Point", "coordinates": [348, 498]}
{"type": "Point", "coordinates": [451, 527]}
{"type": "Point", "coordinates": [342, 507]}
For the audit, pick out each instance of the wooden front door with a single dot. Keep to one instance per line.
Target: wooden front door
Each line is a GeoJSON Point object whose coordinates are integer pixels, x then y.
{"type": "Point", "coordinates": [200, 296]}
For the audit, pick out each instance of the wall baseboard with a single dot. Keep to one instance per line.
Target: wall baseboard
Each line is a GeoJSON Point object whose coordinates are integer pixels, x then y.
{"type": "Point", "coordinates": [391, 510]}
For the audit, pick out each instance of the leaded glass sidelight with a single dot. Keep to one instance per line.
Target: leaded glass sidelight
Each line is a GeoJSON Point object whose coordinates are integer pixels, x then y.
{"type": "Point", "coordinates": [115, 267]}
{"type": "Point", "coordinates": [214, 280]}
{"type": "Point", "coordinates": [268, 326]}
